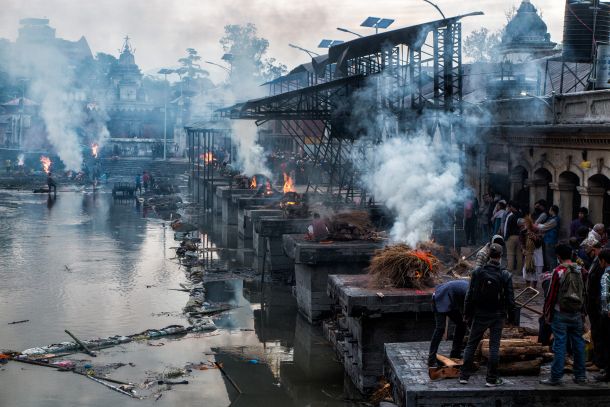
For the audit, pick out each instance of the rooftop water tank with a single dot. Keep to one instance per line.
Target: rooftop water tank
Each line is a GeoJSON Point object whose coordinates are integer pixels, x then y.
{"type": "Point", "coordinates": [578, 27]}
{"type": "Point", "coordinates": [602, 75]}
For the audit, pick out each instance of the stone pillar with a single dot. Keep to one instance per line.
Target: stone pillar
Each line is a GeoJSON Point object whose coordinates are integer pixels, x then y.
{"type": "Point", "coordinates": [563, 197]}
{"type": "Point", "coordinates": [516, 185]}
{"type": "Point", "coordinates": [538, 190]}
{"type": "Point", "coordinates": [592, 198]}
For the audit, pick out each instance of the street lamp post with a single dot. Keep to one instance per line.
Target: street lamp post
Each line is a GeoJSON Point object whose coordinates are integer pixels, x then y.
{"type": "Point", "coordinates": [436, 7]}
{"type": "Point", "coordinates": [165, 72]}
{"type": "Point", "coordinates": [551, 105]}
{"type": "Point", "coordinates": [218, 65]}
{"type": "Point", "coordinates": [310, 53]}
{"type": "Point", "coordinates": [345, 30]}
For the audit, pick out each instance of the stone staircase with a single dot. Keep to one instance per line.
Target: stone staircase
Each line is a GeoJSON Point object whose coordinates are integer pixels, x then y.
{"type": "Point", "coordinates": [124, 167]}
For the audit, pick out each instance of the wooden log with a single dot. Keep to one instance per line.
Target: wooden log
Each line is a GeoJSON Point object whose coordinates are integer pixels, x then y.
{"type": "Point", "coordinates": [521, 368]}
{"type": "Point", "coordinates": [446, 361]}
{"type": "Point", "coordinates": [437, 373]}
{"type": "Point", "coordinates": [511, 343]}
{"type": "Point", "coordinates": [522, 351]}
{"type": "Point", "coordinates": [82, 345]}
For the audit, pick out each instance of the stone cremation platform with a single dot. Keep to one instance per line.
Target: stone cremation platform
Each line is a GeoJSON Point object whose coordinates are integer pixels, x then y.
{"type": "Point", "coordinates": [406, 369]}
{"type": "Point", "coordinates": [268, 244]}
{"type": "Point", "coordinates": [314, 262]}
{"type": "Point", "coordinates": [369, 317]}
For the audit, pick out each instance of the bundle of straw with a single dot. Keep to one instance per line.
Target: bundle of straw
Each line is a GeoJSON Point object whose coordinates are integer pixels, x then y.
{"type": "Point", "coordinates": [350, 225]}
{"type": "Point", "coordinates": [400, 266]}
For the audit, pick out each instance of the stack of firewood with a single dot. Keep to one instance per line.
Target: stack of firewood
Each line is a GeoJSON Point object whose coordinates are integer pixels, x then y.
{"type": "Point", "coordinates": [520, 353]}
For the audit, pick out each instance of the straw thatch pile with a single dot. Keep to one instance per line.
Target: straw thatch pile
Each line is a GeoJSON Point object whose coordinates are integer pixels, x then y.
{"type": "Point", "coordinates": [400, 266]}
{"type": "Point", "coordinates": [352, 225]}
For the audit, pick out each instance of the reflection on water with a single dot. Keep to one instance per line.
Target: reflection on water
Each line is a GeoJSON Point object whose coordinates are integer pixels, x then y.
{"type": "Point", "coordinates": [96, 267]}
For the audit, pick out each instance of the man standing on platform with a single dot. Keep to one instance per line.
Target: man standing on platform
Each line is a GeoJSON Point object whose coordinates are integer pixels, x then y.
{"type": "Point", "coordinates": [563, 309]}
{"type": "Point", "coordinates": [489, 300]}
{"type": "Point", "coordinates": [448, 302]}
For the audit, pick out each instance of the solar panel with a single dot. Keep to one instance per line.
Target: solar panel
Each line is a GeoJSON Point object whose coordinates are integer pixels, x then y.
{"type": "Point", "coordinates": [385, 23]}
{"type": "Point", "coordinates": [329, 43]}
{"type": "Point", "coordinates": [370, 22]}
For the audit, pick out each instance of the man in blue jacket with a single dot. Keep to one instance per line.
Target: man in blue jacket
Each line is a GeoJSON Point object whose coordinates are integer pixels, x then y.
{"type": "Point", "coordinates": [448, 302]}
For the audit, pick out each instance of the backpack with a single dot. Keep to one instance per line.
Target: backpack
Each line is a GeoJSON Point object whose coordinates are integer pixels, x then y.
{"type": "Point", "coordinates": [571, 291]}
{"type": "Point", "coordinates": [490, 290]}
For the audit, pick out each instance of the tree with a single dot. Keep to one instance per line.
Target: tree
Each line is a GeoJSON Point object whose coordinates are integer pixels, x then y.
{"type": "Point", "coordinates": [193, 78]}
{"type": "Point", "coordinates": [246, 53]}
{"type": "Point", "coordinates": [482, 46]}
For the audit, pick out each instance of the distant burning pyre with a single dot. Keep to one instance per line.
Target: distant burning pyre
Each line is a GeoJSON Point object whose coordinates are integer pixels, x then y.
{"type": "Point", "coordinates": [207, 158]}
{"type": "Point", "coordinates": [95, 149]}
{"type": "Point", "coordinates": [46, 163]}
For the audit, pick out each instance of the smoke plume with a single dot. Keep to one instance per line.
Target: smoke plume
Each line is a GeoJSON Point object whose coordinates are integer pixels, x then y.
{"type": "Point", "coordinates": [250, 154]}
{"type": "Point", "coordinates": [416, 179]}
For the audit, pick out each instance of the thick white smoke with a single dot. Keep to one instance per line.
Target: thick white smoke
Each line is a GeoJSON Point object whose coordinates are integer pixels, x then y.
{"type": "Point", "coordinates": [250, 154]}
{"type": "Point", "coordinates": [417, 179]}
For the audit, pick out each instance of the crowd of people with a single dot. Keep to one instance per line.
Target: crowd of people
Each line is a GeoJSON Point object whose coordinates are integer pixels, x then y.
{"type": "Point", "coordinates": [574, 275]}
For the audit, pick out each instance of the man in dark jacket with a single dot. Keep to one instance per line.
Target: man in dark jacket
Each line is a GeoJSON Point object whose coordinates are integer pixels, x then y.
{"type": "Point", "coordinates": [602, 346]}
{"type": "Point", "coordinates": [51, 184]}
{"type": "Point", "coordinates": [489, 300]}
{"type": "Point", "coordinates": [593, 302]}
{"type": "Point", "coordinates": [448, 302]}
{"type": "Point", "coordinates": [580, 221]}
{"type": "Point", "coordinates": [563, 309]}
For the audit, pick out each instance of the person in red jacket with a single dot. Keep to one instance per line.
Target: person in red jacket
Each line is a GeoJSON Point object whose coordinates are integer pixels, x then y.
{"type": "Point", "coordinates": [563, 309]}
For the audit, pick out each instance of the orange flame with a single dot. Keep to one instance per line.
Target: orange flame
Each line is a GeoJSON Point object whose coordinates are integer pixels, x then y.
{"type": "Point", "coordinates": [288, 184]}
{"type": "Point", "coordinates": [268, 189]}
{"type": "Point", "coordinates": [253, 183]}
{"type": "Point", "coordinates": [94, 149]}
{"type": "Point", "coordinates": [46, 163]}
{"type": "Point", "coordinates": [425, 257]}
{"type": "Point", "coordinates": [207, 157]}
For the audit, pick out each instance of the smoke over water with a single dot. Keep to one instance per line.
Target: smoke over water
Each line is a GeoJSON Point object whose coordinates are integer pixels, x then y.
{"type": "Point", "coordinates": [59, 116]}
{"type": "Point", "coordinates": [250, 154]}
{"type": "Point", "coordinates": [417, 179]}
{"type": "Point", "coordinates": [55, 83]}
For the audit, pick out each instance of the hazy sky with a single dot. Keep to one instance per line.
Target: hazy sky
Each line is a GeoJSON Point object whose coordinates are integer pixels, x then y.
{"type": "Point", "coordinates": [162, 29]}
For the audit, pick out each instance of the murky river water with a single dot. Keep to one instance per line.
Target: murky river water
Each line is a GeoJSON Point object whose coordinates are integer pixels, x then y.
{"type": "Point", "coordinates": [97, 268]}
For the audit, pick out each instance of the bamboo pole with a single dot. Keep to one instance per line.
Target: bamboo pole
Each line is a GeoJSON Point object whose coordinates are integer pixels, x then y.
{"type": "Point", "coordinates": [82, 345]}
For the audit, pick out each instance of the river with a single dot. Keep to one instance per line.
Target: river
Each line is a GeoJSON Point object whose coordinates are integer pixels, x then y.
{"type": "Point", "coordinates": [97, 267]}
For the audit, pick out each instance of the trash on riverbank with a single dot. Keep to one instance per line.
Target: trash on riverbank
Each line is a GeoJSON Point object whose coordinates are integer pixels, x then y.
{"type": "Point", "coordinates": [203, 324]}
{"type": "Point", "coordinates": [19, 322]}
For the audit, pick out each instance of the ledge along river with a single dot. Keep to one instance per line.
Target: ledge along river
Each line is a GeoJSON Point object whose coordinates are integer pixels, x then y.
{"type": "Point", "coordinates": [98, 268]}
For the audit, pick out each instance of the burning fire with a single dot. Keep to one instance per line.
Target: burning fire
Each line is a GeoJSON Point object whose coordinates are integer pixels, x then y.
{"type": "Point", "coordinates": [253, 183]}
{"type": "Point", "coordinates": [46, 163]}
{"type": "Point", "coordinates": [288, 184]}
{"type": "Point", "coordinates": [94, 149]}
{"type": "Point", "coordinates": [268, 189]}
{"type": "Point", "coordinates": [207, 157]}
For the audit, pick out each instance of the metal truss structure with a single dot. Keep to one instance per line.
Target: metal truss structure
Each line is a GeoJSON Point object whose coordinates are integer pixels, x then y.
{"type": "Point", "coordinates": [404, 72]}
{"type": "Point", "coordinates": [202, 139]}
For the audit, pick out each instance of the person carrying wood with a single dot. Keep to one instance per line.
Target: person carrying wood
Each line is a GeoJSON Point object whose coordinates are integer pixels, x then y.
{"type": "Point", "coordinates": [564, 310]}
{"type": "Point", "coordinates": [483, 255]}
{"type": "Point", "coordinates": [448, 302]}
{"type": "Point", "coordinates": [489, 301]}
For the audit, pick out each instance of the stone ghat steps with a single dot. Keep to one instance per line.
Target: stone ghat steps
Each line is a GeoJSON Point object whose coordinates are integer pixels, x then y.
{"type": "Point", "coordinates": [131, 167]}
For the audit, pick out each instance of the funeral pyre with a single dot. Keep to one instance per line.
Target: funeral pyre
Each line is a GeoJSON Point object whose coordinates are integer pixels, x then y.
{"type": "Point", "coordinates": [261, 185]}
{"type": "Point", "coordinates": [401, 266]}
